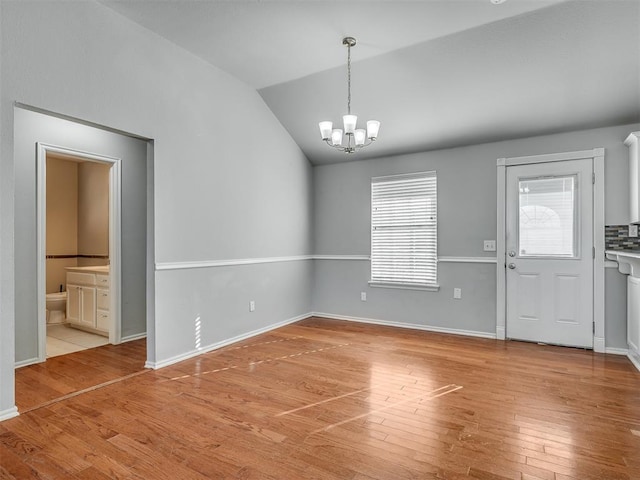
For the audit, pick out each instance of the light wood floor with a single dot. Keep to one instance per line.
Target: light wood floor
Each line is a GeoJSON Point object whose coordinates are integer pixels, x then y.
{"type": "Point", "coordinates": [325, 399]}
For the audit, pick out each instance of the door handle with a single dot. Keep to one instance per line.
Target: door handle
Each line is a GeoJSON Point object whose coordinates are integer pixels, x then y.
{"type": "Point", "coordinates": [512, 266]}
{"type": "Point", "coordinates": [512, 253]}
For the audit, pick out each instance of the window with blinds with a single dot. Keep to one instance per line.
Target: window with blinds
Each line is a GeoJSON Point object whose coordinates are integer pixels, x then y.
{"type": "Point", "coordinates": [404, 230]}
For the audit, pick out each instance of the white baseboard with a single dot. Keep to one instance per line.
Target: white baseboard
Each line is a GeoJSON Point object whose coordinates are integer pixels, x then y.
{"type": "Point", "coordinates": [29, 361]}
{"type": "Point", "coordinates": [9, 413]}
{"type": "Point", "coordinates": [616, 351]}
{"type": "Point", "coordinates": [501, 333]}
{"type": "Point", "coordinates": [223, 343]}
{"type": "Point", "coordinates": [599, 345]}
{"type": "Point", "coordinates": [428, 328]}
{"type": "Point", "coordinates": [634, 359]}
{"type": "Point", "coordinates": [131, 338]}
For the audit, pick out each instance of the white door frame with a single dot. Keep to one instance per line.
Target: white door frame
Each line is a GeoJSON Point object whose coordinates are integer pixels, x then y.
{"type": "Point", "coordinates": [597, 155]}
{"type": "Point", "coordinates": [115, 212]}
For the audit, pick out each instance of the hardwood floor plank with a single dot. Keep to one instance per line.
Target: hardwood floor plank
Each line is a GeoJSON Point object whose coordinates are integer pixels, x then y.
{"type": "Point", "coordinates": [41, 383]}
{"type": "Point", "coordinates": [333, 400]}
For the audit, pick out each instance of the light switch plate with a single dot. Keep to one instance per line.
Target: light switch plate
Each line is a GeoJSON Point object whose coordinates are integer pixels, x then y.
{"type": "Point", "coordinates": [457, 293]}
{"type": "Point", "coordinates": [489, 245]}
{"type": "Point", "coordinates": [633, 231]}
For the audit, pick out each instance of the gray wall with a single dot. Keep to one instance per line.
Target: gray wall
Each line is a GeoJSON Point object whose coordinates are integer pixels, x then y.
{"type": "Point", "coordinates": [31, 127]}
{"type": "Point", "coordinates": [466, 217]}
{"type": "Point", "coordinates": [220, 192]}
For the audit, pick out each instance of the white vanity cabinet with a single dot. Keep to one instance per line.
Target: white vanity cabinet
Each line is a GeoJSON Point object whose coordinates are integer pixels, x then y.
{"type": "Point", "coordinates": [102, 303]}
{"type": "Point", "coordinates": [81, 300]}
{"type": "Point", "coordinates": [632, 142]}
{"type": "Point", "coordinates": [88, 300]}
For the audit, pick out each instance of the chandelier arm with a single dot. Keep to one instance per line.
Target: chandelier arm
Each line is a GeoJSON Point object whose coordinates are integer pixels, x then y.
{"type": "Point", "coordinates": [348, 148]}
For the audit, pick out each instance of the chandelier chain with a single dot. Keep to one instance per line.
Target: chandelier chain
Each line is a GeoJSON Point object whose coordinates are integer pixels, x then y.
{"type": "Point", "coordinates": [349, 78]}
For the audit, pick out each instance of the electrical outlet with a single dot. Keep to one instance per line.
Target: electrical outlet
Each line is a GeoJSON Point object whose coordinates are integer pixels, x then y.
{"type": "Point", "coordinates": [633, 231]}
{"type": "Point", "coordinates": [457, 293]}
{"type": "Point", "coordinates": [363, 296]}
{"type": "Point", "coordinates": [489, 245]}
{"type": "Point", "coordinates": [252, 306]}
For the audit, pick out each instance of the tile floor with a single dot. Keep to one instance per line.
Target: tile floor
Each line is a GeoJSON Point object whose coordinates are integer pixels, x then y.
{"type": "Point", "coordinates": [62, 339]}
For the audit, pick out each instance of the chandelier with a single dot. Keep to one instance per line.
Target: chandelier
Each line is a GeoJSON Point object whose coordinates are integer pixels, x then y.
{"type": "Point", "coordinates": [354, 138]}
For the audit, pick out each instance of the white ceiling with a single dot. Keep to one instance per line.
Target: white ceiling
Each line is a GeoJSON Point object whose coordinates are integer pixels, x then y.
{"type": "Point", "coordinates": [265, 42]}
{"type": "Point", "coordinates": [435, 73]}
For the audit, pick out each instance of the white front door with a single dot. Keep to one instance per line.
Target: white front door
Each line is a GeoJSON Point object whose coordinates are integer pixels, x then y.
{"type": "Point", "coordinates": [549, 242]}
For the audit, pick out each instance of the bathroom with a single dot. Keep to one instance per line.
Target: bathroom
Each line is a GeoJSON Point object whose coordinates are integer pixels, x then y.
{"type": "Point", "coordinates": [77, 250]}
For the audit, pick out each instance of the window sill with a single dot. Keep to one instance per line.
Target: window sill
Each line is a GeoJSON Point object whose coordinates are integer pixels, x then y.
{"type": "Point", "coordinates": [406, 286]}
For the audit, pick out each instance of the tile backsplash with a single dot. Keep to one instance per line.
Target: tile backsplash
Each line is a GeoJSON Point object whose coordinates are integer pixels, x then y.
{"type": "Point", "coordinates": [616, 237]}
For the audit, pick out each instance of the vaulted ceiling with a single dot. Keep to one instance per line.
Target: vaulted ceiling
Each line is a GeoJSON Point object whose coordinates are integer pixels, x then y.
{"type": "Point", "coordinates": [436, 74]}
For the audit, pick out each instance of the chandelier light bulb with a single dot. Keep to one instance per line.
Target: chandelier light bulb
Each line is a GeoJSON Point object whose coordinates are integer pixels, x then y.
{"type": "Point", "coordinates": [336, 137]}
{"type": "Point", "coordinates": [373, 126]}
{"type": "Point", "coordinates": [325, 129]}
{"type": "Point", "coordinates": [354, 138]}
{"type": "Point", "coordinates": [349, 123]}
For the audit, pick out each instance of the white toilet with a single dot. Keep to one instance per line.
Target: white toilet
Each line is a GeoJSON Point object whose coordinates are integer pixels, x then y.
{"type": "Point", "coordinates": [56, 307]}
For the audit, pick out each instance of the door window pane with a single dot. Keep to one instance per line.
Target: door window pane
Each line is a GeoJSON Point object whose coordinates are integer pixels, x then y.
{"type": "Point", "coordinates": [547, 217]}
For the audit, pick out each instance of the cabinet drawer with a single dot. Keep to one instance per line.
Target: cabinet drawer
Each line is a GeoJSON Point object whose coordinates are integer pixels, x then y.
{"type": "Point", "coordinates": [102, 320]}
{"type": "Point", "coordinates": [103, 299]}
{"type": "Point", "coordinates": [78, 278]}
{"type": "Point", "coordinates": [102, 280]}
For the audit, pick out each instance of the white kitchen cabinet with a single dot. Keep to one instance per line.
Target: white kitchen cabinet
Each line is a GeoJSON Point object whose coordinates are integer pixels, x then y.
{"type": "Point", "coordinates": [88, 301]}
{"type": "Point", "coordinates": [629, 264]}
{"type": "Point", "coordinates": [632, 142]}
{"type": "Point", "coordinates": [633, 317]}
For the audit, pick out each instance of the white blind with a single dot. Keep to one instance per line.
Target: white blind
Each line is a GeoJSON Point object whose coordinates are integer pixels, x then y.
{"type": "Point", "coordinates": [404, 229]}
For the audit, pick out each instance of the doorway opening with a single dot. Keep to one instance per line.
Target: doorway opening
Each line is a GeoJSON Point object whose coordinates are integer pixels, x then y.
{"type": "Point", "coordinates": [78, 250]}
{"type": "Point", "coordinates": [119, 284]}
{"type": "Point", "coordinates": [550, 249]}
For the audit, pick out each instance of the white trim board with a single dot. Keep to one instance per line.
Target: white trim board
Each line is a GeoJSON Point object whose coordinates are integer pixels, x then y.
{"type": "Point", "coordinates": [28, 361]}
{"type": "Point", "coordinates": [228, 263]}
{"type": "Point", "coordinates": [634, 360]}
{"type": "Point", "coordinates": [413, 326]}
{"type": "Point", "coordinates": [296, 258]}
{"type": "Point", "coordinates": [135, 336]}
{"type": "Point", "coordinates": [616, 351]}
{"type": "Point", "coordinates": [467, 260]}
{"type": "Point", "coordinates": [342, 257]}
{"type": "Point", "coordinates": [9, 413]}
{"type": "Point", "coordinates": [223, 343]}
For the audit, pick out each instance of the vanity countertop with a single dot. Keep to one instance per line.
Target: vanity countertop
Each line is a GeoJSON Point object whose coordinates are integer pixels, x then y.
{"type": "Point", "coordinates": [94, 269]}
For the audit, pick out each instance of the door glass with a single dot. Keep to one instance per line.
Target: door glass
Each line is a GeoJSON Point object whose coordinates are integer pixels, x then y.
{"type": "Point", "coordinates": [547, 217]}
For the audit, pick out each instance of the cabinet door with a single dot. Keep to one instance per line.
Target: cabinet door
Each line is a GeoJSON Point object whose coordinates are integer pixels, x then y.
{"type": "Point", "coordinates": [102, 298]}
{"type": "Point", "coordinates": [633, 314]}
{"type": "Point", "coordinates": [73, 303]}
{"type": "Point", "coordinates": [102, 321]}
{"type": "Point", "coordinates": [88, 307]}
